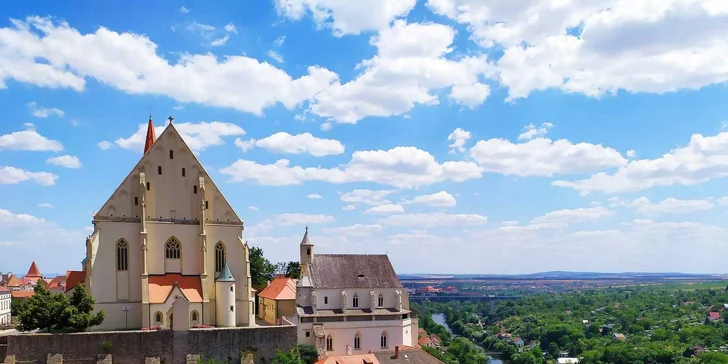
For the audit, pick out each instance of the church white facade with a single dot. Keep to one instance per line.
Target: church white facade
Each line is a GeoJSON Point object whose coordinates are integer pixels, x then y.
{"type": "Point", "coordinates": [351, 304]}
{"type": "Point", "coordinates": [161, 240]}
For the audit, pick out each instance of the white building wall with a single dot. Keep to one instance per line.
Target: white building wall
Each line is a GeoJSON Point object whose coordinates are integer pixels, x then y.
{"type": "Point", "coordinates": [5, 299]}
{"type": "Point", "coordinates": [399, 332]}
{"type": "Point", "coordinates": [334, 298]}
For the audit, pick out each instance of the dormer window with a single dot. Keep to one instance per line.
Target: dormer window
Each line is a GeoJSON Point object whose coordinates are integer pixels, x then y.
{"type": "Point", "coordinates": [361, 276]}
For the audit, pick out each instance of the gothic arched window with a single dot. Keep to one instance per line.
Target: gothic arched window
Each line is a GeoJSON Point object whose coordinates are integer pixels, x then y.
{"type": "Point", "coordinates": [355, 301]}
{"type": "Point", "coordinates": [381, 300]}
{"type": "Point", "coordinates": [329, 343]}
{"type": "Point", "coordinates": [383, 340]}
{"type": "Point", "coordinates": [172, 250]}
{"type": "Point", "coordinates": [122, 255]}
{"type": "Point", "coordinates": [357, 341]}
{"type": "Point", "coordinates": [219, 257]}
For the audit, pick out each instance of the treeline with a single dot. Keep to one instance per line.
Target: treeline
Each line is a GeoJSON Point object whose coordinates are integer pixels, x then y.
{"type": "Point", "coordinates": [659, 326]}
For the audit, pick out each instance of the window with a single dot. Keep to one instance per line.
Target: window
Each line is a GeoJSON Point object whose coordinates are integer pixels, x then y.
{"type": "Point", "coordinates": [383, 340]}
{"type": "Point", "coordinates": [194, 189]}
{"type": "Point", "coordinates": [326, 300]}
{"type": "Point", "coordinates": [329, 343]}
{"type": "Point", "coordinates": [207, 204]}
{"type": "Point", "coordinates": [136, 201]}
{"type": "Point", "coordinates": [357, 342]}
{"type": "Point", "coordinates": [355, 301]}
{"type": "Point", "coordinates": [122, 255]}
{"type": "Point", "coordinates": [158, 317]}
{"type": "Point", "coordinates": [308, 251]}
{"type": "Point", "coordinates": [172, 250]}
{"type": "Point", "coordinates": [232, 308]}
{"type": "Point", "coordinates": [308, 333]}
{"type": "Point", "coordinates": [183, 172]}
{"type": "Point", "coordinates": [380, 303]}
{"type": "Point", "coordinates": [171, 154]}
{"type": "Point", "coordinates": [194, 316]}
{"type": "Point", "coordinates": [149, 186]}
{"type": "Point", "coordinates": [219, 257]}
{"type": "Point", "coordinates": [159, 169]}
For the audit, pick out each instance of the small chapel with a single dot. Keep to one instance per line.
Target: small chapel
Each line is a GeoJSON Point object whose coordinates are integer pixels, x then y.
{"type": "Point", "coordinates": [167, 248]}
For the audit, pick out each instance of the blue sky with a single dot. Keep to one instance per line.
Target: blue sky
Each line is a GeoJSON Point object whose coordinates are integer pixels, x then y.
{"type": "Point", "coordinates": [458, 136]}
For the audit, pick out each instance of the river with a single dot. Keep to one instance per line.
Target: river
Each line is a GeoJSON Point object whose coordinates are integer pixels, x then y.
{"type": "Point", "coordinates": [440, 319]}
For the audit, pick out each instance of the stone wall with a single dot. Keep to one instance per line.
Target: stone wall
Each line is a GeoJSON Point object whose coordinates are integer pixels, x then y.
{"type": "Point", "coordinates": [170, 347]}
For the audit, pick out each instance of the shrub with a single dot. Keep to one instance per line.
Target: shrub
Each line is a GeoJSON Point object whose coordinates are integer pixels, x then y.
{"type": "Point", "coordinates": [106, 346]}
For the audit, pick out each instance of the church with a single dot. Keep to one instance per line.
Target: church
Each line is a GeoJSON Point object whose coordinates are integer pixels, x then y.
{"type": "Point", "coordinates": [167, 248]}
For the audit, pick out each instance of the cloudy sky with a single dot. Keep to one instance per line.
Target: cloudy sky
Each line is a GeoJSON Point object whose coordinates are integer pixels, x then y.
{"type": "Point", "coordinates": [458, 136]}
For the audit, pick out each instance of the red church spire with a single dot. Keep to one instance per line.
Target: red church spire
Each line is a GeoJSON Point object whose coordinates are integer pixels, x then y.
{"type": "Point", "coordinates": [151, 136]}
{"type": "Point", "coordinates": [33, 272]}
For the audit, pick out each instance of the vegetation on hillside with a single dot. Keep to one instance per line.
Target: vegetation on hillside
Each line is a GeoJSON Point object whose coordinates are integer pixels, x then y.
{"type": "Point", "coordinates": [659, 326]}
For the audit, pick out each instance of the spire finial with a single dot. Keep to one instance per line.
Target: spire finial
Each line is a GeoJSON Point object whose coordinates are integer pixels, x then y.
{"type": "Point", "coordinates": [151, 135]}
{"type": "Point", "coordinates": [306, 228]}
{"type": "Point", "coordinates": [170, 118]}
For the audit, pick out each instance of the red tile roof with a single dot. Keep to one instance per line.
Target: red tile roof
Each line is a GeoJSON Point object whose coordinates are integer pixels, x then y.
{"type": "Point", "coordinates": [280, 289]}
{"type": "Point", "coordinates": [714, 315]}
{"type": "Point", "coordinates": [160, 287]}
{"type": "Point", "coordinates": [73, 278]}
{"type": "Point", "coordinates": [22, 294]}
{"type": "Point", "coordinates": [33, 272]}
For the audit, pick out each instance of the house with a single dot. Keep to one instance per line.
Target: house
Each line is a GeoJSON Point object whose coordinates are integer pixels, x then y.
{"type": "Point", "coordinates": [5, 299]}
{"type": "Point", "coordinates": [351, 303]}
{"type": "Point", "coordinates": [277, 300]}
{"type": "Point", "coordinates": [518, 342]}
{"type": "Point", "coordinates": [428, 290]}
{"type": "Point", "coordinates": [712, 316]}
{"type": "Point", "coordinates": [618, 337]}
{"type": "Point", "coordinates": [435, 340]}
{"type": "Point", "coordinates": [425, 341]}
{"type": "Point", "coordinates": [450, 290]}
{"type": "Point", "coordinates": [167, 248]}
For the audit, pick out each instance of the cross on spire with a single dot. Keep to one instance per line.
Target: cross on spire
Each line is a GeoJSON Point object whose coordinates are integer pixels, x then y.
{"type": "Point", "coordinates": [170, 118]}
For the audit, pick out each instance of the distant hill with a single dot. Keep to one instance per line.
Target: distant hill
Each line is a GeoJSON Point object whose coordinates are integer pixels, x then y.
{"type": "Point", "coordinates": [567, 275]}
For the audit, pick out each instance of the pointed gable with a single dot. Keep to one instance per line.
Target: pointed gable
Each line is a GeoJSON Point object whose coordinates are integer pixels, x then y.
{"type": "Point", "coordinates": [171, 163]}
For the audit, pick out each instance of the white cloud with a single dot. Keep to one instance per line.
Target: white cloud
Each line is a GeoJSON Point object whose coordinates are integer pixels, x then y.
{"type": "Point", "coordinates": [283, 142]}
{"type": "Point", "coordinates": [368, 197]}
{"type": "Point", "coordinates": [349, 207]}
{"type": "Point", "coordinates": [326, 126]}
{"type": "Point", "coordinates": [219, 42]}
{"type": "Point", "coordinates": [434, 219]}
{"type": "Point", "coordinates": [11, 175]}
{"type": "Point", "coordinates": [410, 68]}
{"type": "Point", "coordinates": [573, 215]}
{"type": "Point", "coordinates": [533, 132]}
{"type": "Point", "coordinates": [354, 230]}
{"type": "Point", "coordinates": [67, 161]}
{"type": "Point", "coordinates": [230, 28]}
{"type": "Point", "coordinates": [46, 205]}
{"type": "Point", "coordinates": [29, 140]}
{"type": "Point", "coordinates": [458, 138]}
{"type": "Point", "coordinates": [509, 223]}
{"type": "Point", "coordinates": [300, 219]}
{"type": "Point", "coordinates": [631, 153]}
{"type": "Point", "coordinates": [184, 10]}
{"type": "Point", "coordinates": [543, 157]}
{"type": "Point", "coordinates": [279, 41]}
{"type": "Point", "coordinates": [277, 57]}
{"type": "Point", "coordinates": [704, 158]}
{"type": "Point", "coordinates": [104, 145]}
{"type": "Point", "coordinates": [668, 206]}
{"type": "Point", "coordinates": [314, 196]}
{"type": "Point", "coordinates": [199, 136]}
{"type": "Point", "coordinates": [385, 209]}
{"type": "Point", "coordinates": [47, 54]}
{"type": "Point", "coordinates": [404, 167]}
{"type": "Point", "coordinates": [346, 17]}
{"type": "Point", "coordinates": [637, 46]}
{"type": "Point", "coordinates": [41, 112]}
{"type": "Point", "coordinates": [441, 199]}
{"type": "Point", "coordinates": [253, 208]}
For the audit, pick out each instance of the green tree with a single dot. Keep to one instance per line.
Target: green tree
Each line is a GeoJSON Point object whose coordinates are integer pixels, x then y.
{"type": "Point", "coordinates": [308, 353]}
{"type": "Point", "coordinates": [17, 305]}
{"type": "Point", "coordinates": [43, 310]}
{"type": "Point", "coordinates": [79, 314]}
{"type": "Point", "coordinates": [261, 269]}
{"type": "Point", "coordinates": [293, 270]}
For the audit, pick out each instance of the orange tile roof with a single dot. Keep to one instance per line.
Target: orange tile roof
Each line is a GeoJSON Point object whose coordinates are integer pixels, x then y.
{"type": "Point", "coordinates": [160, 287]}
{"type": "Point", "coordinates": [22, 294]}
{"type": "Point", "coordinates": [280, 289]}
{"type": "Point", "coordinates": [350, 359]}
{"type": "Point", "coordinates": [33, 272]}
{"type": "Point", "coordinates": [14, 281]}
{"type": "Point", "coordinates": [423, 341]}
{"type": "Point", "coordinates": [73, 278]}
{"type": "Point", "coordinates": [58, 281]}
